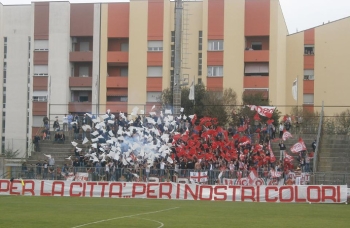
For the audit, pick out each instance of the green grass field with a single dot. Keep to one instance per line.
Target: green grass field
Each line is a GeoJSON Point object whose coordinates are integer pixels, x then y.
{"type": "Point", "coordinates": [25, 211]}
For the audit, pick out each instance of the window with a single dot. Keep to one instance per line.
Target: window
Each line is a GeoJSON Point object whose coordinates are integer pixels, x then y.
{"type": "Point", "coordinates": [256, 69]}
{"type": "Point", "coordinates": [37, 121]}
{"type": "Point", "coordinates": [263, 92]}
{"type": "Point", "coordinates": [200, 40]}
{"type": "Point", "coordinates": [124, 47]}
{"type": "Point", "coordinates": [3, 125]}
{"type": "Point", "coordinates": [199, 64]}
{"type": "Point", "coordinates": [154, 71]}
{"type": "Point", "coordinates": [153, 96]}
{"type": "Point", "coordinates": [155, 45]}
{"type": "Point", "coordinates": [41, 70]}
{"type": "Point", "coordinates": [41, 45]}
{"type": "Point", "coordinates": [308, 98]}
{"type": "Point", "coordinates": [83, 96]}
{"type": "Point", "coordinates": [309, 49]}
{"type": "Point", "coordinates": [172, 36]}
{"type": "Point", "coordinates": [214, 71]}
{"type": "Point", "coordinates": [83, 71]}
{"type": "Point", "coordinates": [215, 45]}
{"type": "Point", "coordinates": [172, 59]}
{"type": "Point", "coordinates": [40, 96]}
{"type": "Point", "coordinates": [5, 47]}
{"type": "Point", "coordinates": [308, 74]}
{"type": "Point", "coordinates": [84, 46]}
{"type": "Point", "coordinates": [124, 71]}
{"type": "Point", "coordinates": [256, 45]}
{"type": "Point", "coordinates": [199, 81]}
{"type": "Point", "coordinates": [117, 98]}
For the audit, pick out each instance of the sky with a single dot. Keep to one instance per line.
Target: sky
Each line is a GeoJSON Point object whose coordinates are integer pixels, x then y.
{"type": "Point", "coordinates": [299, 14]}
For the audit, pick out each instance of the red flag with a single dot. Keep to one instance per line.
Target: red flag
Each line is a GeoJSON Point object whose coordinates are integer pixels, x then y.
{"type": "Point", "coordinates": [194, 119]}
{"type": "Point", "coordinates": [287, 157]}
{"type": "Point", "coordinates": [286, 135]}
{"type": "Point", "coordinates": [256, 116]}
{"type": "Point", "coordinates": [272, 155]}
{"type": "Point", "coordinates": [253, 175]}
{"type": "Point", "coordinates": [270, 121]}
{"type": "Point", "coordinates": [299, 146]}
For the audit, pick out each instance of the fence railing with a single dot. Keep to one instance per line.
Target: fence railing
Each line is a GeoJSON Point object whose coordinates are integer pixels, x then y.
{"type": "Point", "coordinates": [318, 141]}
{"type": "Point", "coordinates": [135, 175]}
{"type": "Point", "coordinates": [128, 174]}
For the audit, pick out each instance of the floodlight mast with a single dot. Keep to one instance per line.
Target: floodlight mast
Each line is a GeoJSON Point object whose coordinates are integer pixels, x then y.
{"type": "Point", "coordinates": [177, 58]}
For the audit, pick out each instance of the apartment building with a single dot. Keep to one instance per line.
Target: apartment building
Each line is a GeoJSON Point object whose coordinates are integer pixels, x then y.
{"type": "Point", "coordinates": [61, 57]}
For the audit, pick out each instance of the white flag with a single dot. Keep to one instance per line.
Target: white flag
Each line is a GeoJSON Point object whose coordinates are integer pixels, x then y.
{"type": "Point", "coordinates": [199, 177]}
{"type": "Point", "coordinates": [191, 95]}
{"type": "Point", "coordinates": [295, 89]}
{"type": "Point", "coordinates": [85, 140]}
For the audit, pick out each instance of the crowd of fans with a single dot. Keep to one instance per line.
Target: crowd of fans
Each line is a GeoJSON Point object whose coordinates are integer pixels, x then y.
{"type": "Point", "coordinates": [117, 148]}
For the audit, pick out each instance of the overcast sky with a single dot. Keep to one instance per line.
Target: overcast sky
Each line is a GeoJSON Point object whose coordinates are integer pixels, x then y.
{"type": "Point", "coordinates": [299, 14]}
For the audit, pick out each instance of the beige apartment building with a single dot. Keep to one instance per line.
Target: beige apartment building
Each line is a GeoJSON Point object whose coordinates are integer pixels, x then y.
{"type": "Point", "coordinates": [60, 57]}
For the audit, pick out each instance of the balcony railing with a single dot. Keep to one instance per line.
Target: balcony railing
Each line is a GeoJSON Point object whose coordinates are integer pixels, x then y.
{"type": "Point", "coordinates": [256, 56]}
{"type": "Point", "coordinates": [80, 81]}
{"type": "Point", "coordinates": [80, 56]}
{"type": "Point", "coordinates": [79, 107]}
{"type": "Point", "coordinates": [118, 57]}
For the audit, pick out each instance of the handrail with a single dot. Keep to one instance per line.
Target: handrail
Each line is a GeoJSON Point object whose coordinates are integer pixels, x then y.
{"type": "Point", "coordinates": [314, 169]}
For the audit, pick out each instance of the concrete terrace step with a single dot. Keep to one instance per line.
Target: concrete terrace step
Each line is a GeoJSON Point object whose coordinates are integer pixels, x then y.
{"type": "Point", "coordinates": [330, 168]}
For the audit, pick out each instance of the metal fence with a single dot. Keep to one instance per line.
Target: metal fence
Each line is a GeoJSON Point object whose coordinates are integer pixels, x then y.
{"type": "Point", "coordinates": [140, 174]}
{"type": "Point", "coordinates": [125, 174]}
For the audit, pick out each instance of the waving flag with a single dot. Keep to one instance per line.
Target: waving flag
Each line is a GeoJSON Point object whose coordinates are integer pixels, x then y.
{"type": "Point", "coordinates": [266, 111]}
{"type": "Point", "coordinates": [199, 177]}
{"type": "Point", "coordinates": [253, 175]}
{"type": "Point", "coordinates": [272, 155]}
{"type": "Point", "coordinates": [299, 146]}
{"type": "Point", "coordinates": [287, 157]}
{"type": "Point", "coordinates": [286, 135]}
{"type": "Point", "coordinates": [191, 95]}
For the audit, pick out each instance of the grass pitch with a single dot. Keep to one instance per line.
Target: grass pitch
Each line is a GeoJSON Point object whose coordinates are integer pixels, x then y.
{"type": "Point", "coordinates": [25, 211]}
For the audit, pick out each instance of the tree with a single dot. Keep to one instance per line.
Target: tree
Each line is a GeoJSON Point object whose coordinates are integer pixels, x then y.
{"type": "Point", "coordinates": [10, 153]}
{"type": "Point", "coordinates": [207, 103]}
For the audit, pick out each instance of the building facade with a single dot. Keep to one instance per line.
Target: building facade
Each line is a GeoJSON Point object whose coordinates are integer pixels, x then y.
{"type": "Point", "coordinates": [64, 58]}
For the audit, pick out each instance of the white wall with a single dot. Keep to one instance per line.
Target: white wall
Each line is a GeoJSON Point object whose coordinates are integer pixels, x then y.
{"type": "Point", "coordinates": [96, 57]}
{"type": "Point", "coordinates": [59, 66]}
{"type": "Point", "coordinates": [17, 29]}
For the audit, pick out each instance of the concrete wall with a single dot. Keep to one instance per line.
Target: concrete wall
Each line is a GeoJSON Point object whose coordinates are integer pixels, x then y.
{"type": "Point", "coordinates": [137, 53]}
{"type": "Point", "coordinates": [332, 80]}
{"type": "Point", "coordinates": [277, 64]}
{"type": "Point", "coordinates": [103, 58]}
{"type": "Point", "coordinates": [234, 51]}
{"type": "Point", "coordinates": [59, 66]}
{"type": "Point", "coordinates": [17, 29]}
{"type": "Point", "coordinates": [96, 57]}
{"type": "Point", "coordinates": [1, 59]}
{"type": "Point", "coordinates": [295, 68]}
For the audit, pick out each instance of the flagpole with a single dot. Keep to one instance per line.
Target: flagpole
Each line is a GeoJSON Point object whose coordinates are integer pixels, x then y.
{"type": "Point", "coordinates": [194, 91]}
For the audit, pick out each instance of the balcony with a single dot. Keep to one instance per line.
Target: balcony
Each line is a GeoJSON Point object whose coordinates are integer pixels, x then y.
{"type": "Point", "coordinates": [39, 108]}
{"type": "Point", "coordinates": [80, 56]}
{"type": "Point", "coordinates": [117, 57]}
{"type": "Point", "coordinates": [82, 107]}
{"type": "Point", "coordinates": [256, 56]}
{"type": "Point", "coordinates": [80, 81]}
{"type": "Point", "coordinates": [256, 82]}
{"type": "Point", "coordinates": [117, 82]}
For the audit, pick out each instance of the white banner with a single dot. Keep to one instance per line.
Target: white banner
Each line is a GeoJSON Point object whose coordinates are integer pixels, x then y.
{"type": "Point", "coordinates": [169, 190]}
{"type": "Point", "coordinates": [257, 182]}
